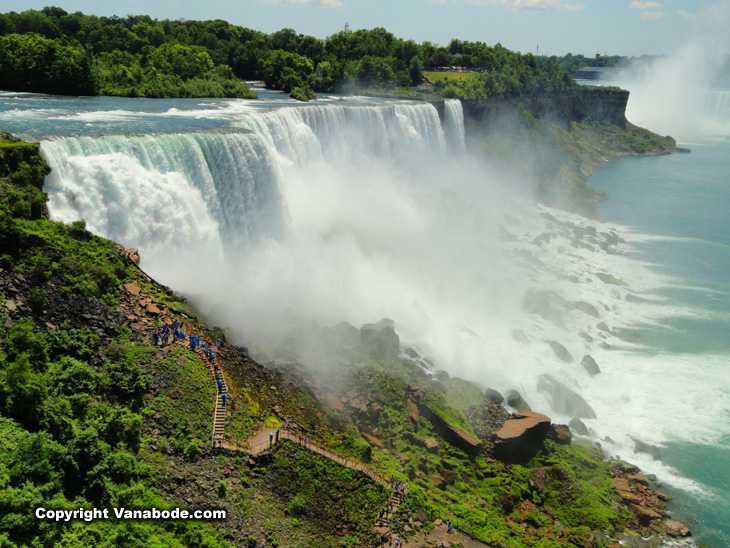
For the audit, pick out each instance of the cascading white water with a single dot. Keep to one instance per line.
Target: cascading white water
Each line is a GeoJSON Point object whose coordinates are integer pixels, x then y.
{"type": "Point", "coordinates": [720, 105]}
{"type": "Point", "coordinates": [454, 123]}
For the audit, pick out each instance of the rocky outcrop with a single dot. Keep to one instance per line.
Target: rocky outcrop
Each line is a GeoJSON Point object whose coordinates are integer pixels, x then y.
{"type": "Point", "coordinates": [560, 434]}
{"type": "Point", "coordinates": [521, 437]}
{"type": "Point", "coordinates": [593, 103]}
{"type": "Point", "coordinates": [380, 340]}
{"type": "Point", "coordinates": [633, 489]}
{"type": "Point", "coordinates": [450, 433]}
{"type": "Point", "coordinates": [493, 396]}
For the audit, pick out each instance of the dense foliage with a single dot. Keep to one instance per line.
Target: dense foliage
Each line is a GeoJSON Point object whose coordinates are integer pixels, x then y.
{"type": "Point", "coordinates": [571, 62]}
{"type": "Point", "coordinates": [51, 51]}
{"type": "Point", "coordinates": [70, 396]}
{"type": "Point", "coordinates": [140, 56]}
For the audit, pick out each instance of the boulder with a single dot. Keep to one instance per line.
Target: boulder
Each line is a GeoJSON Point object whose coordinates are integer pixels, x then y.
{"type": "Point", "coordinates": [590, 365]}
{"type": "Point", "coordinates": [564, 400]}
{"type": "Point", "coordinates": [432, 445]}
{"type": "Point", "coordinates": [494, 396]}
{"type": "Point", "coordinates": [448, 432]}
{"type": "Point", "coordinates": [537, 480]}
{"type": "Point", "coordinates": [519, 335]}
{"type": "Point", "coordinates": [344, 336]}
{"type": "Point", "coordinates": [577, 426]}
{"type": "Point", "coordinates": [514, 399]}
{"type": "Point", "coordinates": [132, 288]}
{"type": "Point", "coordinates": [629, 498]}
{"type": "Point", "coordinates": [643, 447]}
{"type": "Point", "coordinates": [153, 310]}
{"type": "Point", "coordinates": [546, 304]}
{"type": "Point", "coordinates": [609, 279]}
{"type": "Point", "coordinates": [372, 440]}
{"type": "Point", "coordinates": [645, 515]}
{"type": "Point", "coordinates": [560, 434]}
{"type": "Point", "coordinates": [586, 308]}
{"type": "Point", "coordinates": [413, 414]}
{"type": "Point", "coordinates": [521, 437]}
{"type": "Point", "coordinates": [527, 508]}
{"type": "Point", "coordinates": [676, 529]}
{"type": "Point", "coordinates": [411, 353]}
{"type": "Point", "coordinates": [441, 375]}
{"type": "Point", "coordinates": [560, 351]}
{"type": "Point", "coordinates": [380, 339]}
{"type": "Point", "coordinates": [334, 402]}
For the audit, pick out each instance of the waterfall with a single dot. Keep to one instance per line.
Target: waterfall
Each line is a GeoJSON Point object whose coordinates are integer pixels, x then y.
{"type": "Point", "coordinates": [223, 190]}
{"type": "Point", "coordinates": [719, 104]}
{"type": "Point", "coordinates": [454, 123]}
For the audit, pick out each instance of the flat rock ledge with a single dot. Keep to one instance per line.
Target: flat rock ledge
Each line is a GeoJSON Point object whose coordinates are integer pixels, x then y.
{"type": "Point", "coordinates": [521, 436]}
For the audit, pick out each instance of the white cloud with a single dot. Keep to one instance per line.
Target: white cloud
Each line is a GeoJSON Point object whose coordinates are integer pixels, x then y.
{"type": "Point", "coordinates": [526, 5]}
{"type": "Point", "coordinates": [685, 14]}
{"type": "Point", "coordinates": [636, 5]}
{"type": "Point", "coordinates": [652, 15]}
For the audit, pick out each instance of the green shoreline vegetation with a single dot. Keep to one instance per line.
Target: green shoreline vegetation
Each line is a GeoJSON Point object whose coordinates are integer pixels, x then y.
{"type": "Point", "coordinates": [53, 51]}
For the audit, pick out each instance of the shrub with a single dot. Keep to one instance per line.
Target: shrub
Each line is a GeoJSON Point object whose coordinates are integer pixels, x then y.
{"type": "Point", "coordinates": [37, 299]}
{"type": "Point", "coordinates": [298, 505]}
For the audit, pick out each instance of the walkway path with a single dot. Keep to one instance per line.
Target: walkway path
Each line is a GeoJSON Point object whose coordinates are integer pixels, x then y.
{"type": "Point", "coordinates": [267, 438]}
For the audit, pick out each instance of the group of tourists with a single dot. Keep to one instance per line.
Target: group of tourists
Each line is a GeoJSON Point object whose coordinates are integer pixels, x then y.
{"type": "Point", "coordinates": [162, 334]}
{"type": "Point", "coordinates": [399, 487]}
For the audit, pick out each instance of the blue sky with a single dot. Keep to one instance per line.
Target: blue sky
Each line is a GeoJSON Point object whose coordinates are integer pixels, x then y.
{"type": "Point", "coordinates": [620, 27]}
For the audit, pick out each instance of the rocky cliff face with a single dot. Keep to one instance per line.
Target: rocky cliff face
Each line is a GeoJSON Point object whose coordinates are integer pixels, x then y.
{"type": "Point", "coordinates": [600, 104]}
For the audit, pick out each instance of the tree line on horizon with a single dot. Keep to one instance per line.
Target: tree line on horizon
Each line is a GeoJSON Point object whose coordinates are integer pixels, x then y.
{"type": "Point", "coordinates": [53, 51]}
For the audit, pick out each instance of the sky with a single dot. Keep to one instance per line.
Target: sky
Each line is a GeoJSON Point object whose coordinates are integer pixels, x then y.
{"type": "Point", "coordinates": [547, 27]}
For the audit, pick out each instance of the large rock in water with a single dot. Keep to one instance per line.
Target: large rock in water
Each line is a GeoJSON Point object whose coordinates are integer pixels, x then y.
{"type": "Point", "coordinates": [521, 437]}
{"type": "Point", "coordinates": [676, 529]}
{"type": "Point", "coordinates": [578, 427]}
{"type": "Point", "coordinates": [560, 351]}
{"type": "Point", "coordinates": [564, 400]}
{"type": "Point", "coordinates": [380, 339]}
{"type": "Point", "coordinates": [514, 399]}
{"type": "Point", "coordinates": [590, 365]}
